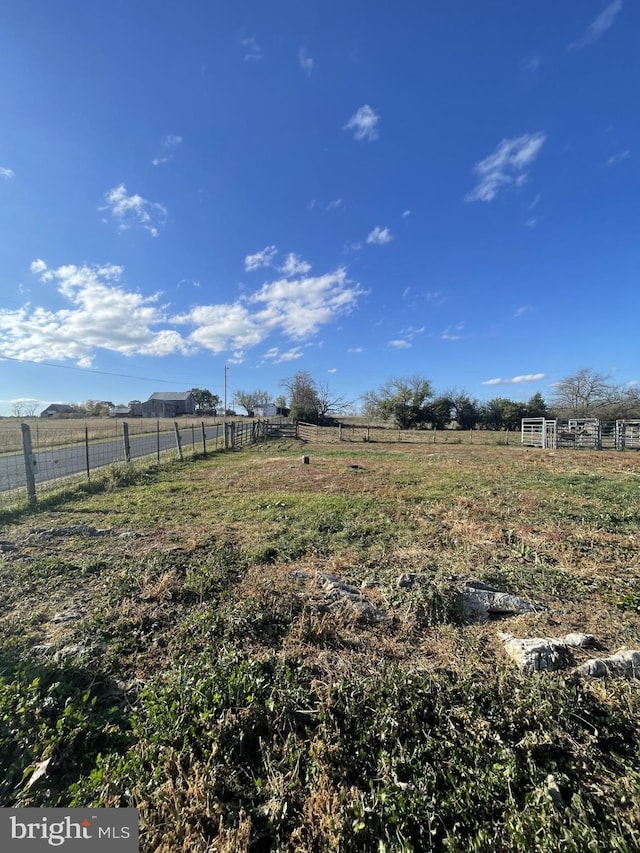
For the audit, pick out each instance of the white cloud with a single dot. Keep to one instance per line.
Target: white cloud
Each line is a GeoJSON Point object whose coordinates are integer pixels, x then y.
{"type": "Point", "coordinates": [515, 380]}
{"type": "Point", "coordinates": [379, 236]}
{"type": "Point", "coordinates": [294, 265]}
{"type": "Point", "coordinates": [253, 51]}
{"type": "Point", "coordinates": [38, 266]}
{"type": "Point", "coordinates": [261, 259]}
{"type": "Point", "coordinates": [507, 165]}
{"type": "Point", "coordinates": [278, 357]}
{"type": "Point", "coordinates": [599, 26]}
{"type": "Point", "coordinates": [406, 214]}
{"type": "Point", "coordinates": [452, 333]}
{"type": "Point", "coordinates": [172, 141]}
{"type": "Point", "coordinates": [299, 307]}
{"type": "Point", "coordinates": [134, 210]}
{"type": "Point", "coordinates": [619, 158]}
{"type": "Point", "coordinates": [531, 222]}
{"type": "Point", "coordinates": [101, 313]}
{"type": "Point", "coordinates": [355, 349]}
{"type": "Point", "coordinates": [364, 124]}
{"type": "Point", "coordinates": [306, 62]}
{"type": "Point", "coordinates": [399, 344]}
{"type": "Point", "coordinates": [521, 310]}
{"type": "Point", "coordinates": [334, 205]}
{"type": "Point", "coordinates": [6, 173]}
{"type": "Point", "coordinates": [332, 370]}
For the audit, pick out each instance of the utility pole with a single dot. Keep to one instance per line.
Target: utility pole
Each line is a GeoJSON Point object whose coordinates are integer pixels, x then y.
{"type": "Point", "coordinates": [224, 422]}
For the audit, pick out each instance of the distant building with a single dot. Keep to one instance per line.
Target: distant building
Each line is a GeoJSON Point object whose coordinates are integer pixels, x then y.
{"type": "Point", "coordinates": [57, 409]}
{"type": "Point", "coordinates": [121, 412]}
{"type": "Point", "coordinates": [166, 404]}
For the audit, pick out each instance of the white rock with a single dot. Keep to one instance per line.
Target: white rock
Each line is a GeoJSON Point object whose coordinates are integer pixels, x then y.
{"type": "Point", "coordinates": [625, 662]}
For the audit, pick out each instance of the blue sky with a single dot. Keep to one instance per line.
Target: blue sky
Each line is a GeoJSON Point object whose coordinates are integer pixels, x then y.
{"type": "Point", "coordinates": [360, 190]}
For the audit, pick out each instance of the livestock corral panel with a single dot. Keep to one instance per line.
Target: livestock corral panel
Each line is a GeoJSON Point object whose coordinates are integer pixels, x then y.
{"type": "Point", "coordinates": [581, 433]}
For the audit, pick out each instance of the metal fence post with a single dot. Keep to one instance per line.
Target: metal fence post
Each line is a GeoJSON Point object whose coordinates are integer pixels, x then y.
{"type": "Point", "coordinates": [29, 464]}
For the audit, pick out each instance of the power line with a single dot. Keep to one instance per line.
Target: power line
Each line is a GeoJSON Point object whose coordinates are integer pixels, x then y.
{"type": "Point", "coordinates": [90, 370]}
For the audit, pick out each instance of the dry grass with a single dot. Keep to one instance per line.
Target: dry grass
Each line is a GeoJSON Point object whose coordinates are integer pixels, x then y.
{"type": "Point", "coordinates": [247, 736]}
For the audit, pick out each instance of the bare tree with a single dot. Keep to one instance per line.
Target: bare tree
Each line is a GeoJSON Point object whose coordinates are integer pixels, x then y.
{"type": "Point", "coordinates": [250, 400]}
{"type": "Point", "coordinates": [304, 401]}
{"type": "Point", "coordinates": [581, 395]}
{"type": "Point", "coordinates": [329, 403]}
{"type": "Point", "coordinates": [17, 409]}
{"type": "Point", "coordinates": [30, 408]}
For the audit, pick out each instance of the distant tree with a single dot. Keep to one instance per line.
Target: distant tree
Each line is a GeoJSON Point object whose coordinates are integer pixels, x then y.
{"type": "Point", "coordinates": [304, 401]}
{"type": "Point", "coordinates": [17, 409]}
{"type": "Point", "coordinates": [329, 403]}
{"type": "Point", "coordinates": [580, 395]}
{"type": "Point", "coordinates": [404, 400]}
{"type": "Point", "coordinates": [205, 400]}
{"type": "Point", "coordinates": [464, 410]}
{"type": "Point", "coordinates": [536, 407]}
{"type": "Point", "coordinates": [501, 413]}
{"type": "Point", "coordinates": [250, 400]}
{"type": "Point", "coordinates": [98, 408]}
{"type": "Point", "coordinates": [441, 414]}
{"type": "Point", "coordinates": [30, 408]}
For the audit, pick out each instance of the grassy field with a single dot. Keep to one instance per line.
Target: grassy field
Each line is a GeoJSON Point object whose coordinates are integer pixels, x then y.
{"type": "Point", "coordinates": [164, 645]}
{"type": "Point", "coordinates": [59, 432]}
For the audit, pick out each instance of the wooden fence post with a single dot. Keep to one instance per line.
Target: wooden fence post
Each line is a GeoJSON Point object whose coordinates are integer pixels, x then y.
{"type": "Point", "coordinates": [178, 440]}
{"type": "Point", "coordinates": [204, 439]}
{"type": "Point", "coordinates": [158, 440]}
{"type": "Point", "coordinates": [29, 464]}
{"type": "Point", "coordinates": [127, 446]}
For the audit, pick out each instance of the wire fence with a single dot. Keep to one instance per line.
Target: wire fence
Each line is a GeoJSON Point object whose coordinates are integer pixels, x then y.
{"type": "Point", "coordinates": [37, 459]}
{"type": "Point", "coordinates": [359, 433]}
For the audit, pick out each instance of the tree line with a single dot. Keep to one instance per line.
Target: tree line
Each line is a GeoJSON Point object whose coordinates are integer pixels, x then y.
{"type": "Point", "coordinates": [410, 402]}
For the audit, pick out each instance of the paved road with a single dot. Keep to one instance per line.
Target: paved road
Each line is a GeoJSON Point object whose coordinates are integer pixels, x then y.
{"type": "Point", "coordinates": [72, 459]}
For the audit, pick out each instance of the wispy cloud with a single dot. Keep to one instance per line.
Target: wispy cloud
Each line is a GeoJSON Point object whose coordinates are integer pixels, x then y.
{"type": "Point", "coordinates": [598, 27]}
{"type": "Point", "coordinates": [620, 157]}
{"type": "Point", "coordinates": [531, 222]}
{"type": "Point", "coordinates": [406, 214]}
{"type": "Point", "coordinates": [294, 265]}
{"type": "Point", "coordinates": [515, 380]}
{"type": "Point", "coordinates": [134, 210]}
{"type": "Point", "coordinates": [252, 50]}
{"type": "Point", "coordinates": [521, 310]}
{"type": "Point", "coordinates": [100, 312]}
{"type": "Point", "coordinates": [6, 173]}
{"type": "Point", "coordinates": [278, 357]}
{"type": "Point", "coordinates": [452, 333]}
{"type": "Point", "coordinates": [335, 204]}
{"type": "Point", "coordinates": [364, 124]}
{"type": "Point", "coordinates": [171, 141]}
{"type": "Point", "coordinates": [261, 259]}
{"type": "Point", "coordinates": [355, 349]}
{"type": "Point", "coordinates": [508, 165]}
{"type": "Point", "coordinates": [399, 344]}
{"type": "Point", "coordinates": [306, 62]}
{"type": "Point", "coordinates": [379, 236]}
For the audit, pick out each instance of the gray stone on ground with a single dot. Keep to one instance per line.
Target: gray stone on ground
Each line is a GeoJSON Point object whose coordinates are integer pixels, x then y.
{"type": "Point", "coordinates": [349, 598]}
{"type": "Point", "coordinates": [535, 654]}
{"type": "Point", "coordinates": [478, 602]}
{"type": "Point", "coordinates": [625, 662]}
